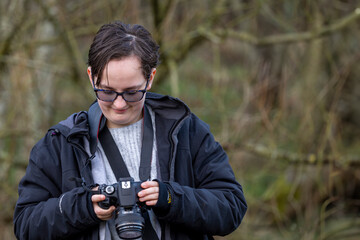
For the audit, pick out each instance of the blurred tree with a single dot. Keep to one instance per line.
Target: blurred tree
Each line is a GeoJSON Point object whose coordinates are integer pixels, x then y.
{"type": "Point", "coordinates": [275, 79]}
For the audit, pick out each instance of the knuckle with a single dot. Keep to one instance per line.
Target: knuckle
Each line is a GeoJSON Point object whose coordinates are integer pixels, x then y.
{"type": "Point", "coordinates": [97, 211]}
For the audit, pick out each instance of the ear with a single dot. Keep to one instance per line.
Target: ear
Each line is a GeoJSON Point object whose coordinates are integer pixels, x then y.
{"type": "Point", "coordinates": [90, 77]}
{"type": "Point", "coordinates": [151, 79]}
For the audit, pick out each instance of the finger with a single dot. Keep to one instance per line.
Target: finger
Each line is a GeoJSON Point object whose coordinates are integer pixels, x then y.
{"type": "Point", "coordinates": [149, 184]}
{"type": "Point", "coordinates": [150, 197]}
{"type": "Point", "coordinates": [97, 198]}
{"type": "Point", "coordinates": [148, 191]}
{"type": "Point", "coordinates": [151, 203]}
{"type": "Point", "coordinates": [104, 217]}
{"type": "Point", "coordinates": [103, 214]}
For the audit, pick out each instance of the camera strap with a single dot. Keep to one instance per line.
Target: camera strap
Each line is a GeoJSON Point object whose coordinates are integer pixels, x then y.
{"type": "Point", "coordinates": [114, 156]}
{"type": "Point", "coordinates": [119, 167]}
{"type": "Point", "coordinates": [146, 146]}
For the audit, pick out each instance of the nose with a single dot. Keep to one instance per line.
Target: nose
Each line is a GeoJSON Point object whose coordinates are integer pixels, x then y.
{"type": "Point", "coordinates": [119, 102]}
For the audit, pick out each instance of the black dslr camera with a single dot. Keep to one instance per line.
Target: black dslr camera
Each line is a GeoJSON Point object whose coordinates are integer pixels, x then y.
{"type": "Point", "coordinates": [129, 222]}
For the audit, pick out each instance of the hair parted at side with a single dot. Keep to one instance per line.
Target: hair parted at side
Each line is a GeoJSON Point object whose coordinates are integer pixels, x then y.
{"type": "Point", "coordinates": [117, 40]}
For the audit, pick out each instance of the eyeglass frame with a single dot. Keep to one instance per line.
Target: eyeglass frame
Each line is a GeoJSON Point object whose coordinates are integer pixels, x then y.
{"type": "Point", "coordinates": [120, 93]}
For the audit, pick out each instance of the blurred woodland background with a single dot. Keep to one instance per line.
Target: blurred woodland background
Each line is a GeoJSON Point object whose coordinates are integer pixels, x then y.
{"type": "Point", "coordinates": [277, 81]}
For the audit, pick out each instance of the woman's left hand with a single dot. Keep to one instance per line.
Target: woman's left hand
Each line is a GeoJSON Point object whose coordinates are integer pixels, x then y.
{"type": "Point", "coordinates": [150, 194]}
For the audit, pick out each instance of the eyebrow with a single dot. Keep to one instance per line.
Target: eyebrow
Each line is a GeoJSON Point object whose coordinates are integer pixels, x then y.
{"type": "Point", "coordinates": [126, 89]}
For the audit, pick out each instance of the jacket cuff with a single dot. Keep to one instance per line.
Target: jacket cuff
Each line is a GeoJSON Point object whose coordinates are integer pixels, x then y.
{"type": "Point", "coordinates": [90, 207]}
{"type": "Point", "coordinates": [164, 201]}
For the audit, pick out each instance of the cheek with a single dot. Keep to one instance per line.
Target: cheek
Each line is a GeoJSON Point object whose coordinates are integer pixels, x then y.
{"type": "Point", "coordinates": [137, 106]}
{"type": "Point", "coordinates": [136, 109]}
{"type": "Point", "coordinates": [104, 105]}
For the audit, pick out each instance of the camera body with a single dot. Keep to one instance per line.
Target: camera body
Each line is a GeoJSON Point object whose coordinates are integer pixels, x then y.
{"type": "Point", "coordinates": [129, 222]}
{"type": "Point", "coordinates": [123, 193]}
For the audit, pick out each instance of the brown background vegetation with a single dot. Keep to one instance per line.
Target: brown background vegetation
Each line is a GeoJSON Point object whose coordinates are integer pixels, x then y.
{"type": "Point", "coordinates": [277, 81]}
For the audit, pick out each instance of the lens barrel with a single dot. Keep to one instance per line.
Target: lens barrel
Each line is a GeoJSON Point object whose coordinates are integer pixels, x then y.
{"type": "Point", "coordinates": [130, 226]}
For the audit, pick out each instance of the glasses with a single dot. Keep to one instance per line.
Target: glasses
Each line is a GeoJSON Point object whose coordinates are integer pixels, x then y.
{"type": "Point", "coordinates": [128, 96]}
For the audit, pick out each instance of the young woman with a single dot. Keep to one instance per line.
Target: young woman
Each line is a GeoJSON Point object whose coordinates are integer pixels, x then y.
{"type": "Point", "coordinates": [188, 189]}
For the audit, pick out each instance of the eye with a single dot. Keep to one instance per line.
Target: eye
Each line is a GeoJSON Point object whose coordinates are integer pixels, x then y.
{"type": "Point", "coordinates": [108, 92]}
{"type": "Point", "coordinates": [132, 92]}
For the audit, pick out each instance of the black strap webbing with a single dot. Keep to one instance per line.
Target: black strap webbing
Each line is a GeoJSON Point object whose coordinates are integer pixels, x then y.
{"type": "Point", "coordinates": [119, 167]}
{"type": "Point", "coordinates": [149, 232]}
{"type": "Point", "coordinates": [146, 147]}
{"type": "Point", "coordinates": [114, 156]}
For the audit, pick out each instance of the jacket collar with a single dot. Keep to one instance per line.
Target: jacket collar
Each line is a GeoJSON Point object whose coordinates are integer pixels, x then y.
{"type": "Point", "coordinates": [166, 106]}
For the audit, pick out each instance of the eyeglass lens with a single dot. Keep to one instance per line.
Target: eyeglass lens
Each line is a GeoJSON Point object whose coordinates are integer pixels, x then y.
{"type": "Point", "coordinates": [109, 96]}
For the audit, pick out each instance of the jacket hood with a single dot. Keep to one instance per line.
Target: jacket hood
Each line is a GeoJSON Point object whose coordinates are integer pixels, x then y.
{"type": "Point", "coordinates": [166, 106]}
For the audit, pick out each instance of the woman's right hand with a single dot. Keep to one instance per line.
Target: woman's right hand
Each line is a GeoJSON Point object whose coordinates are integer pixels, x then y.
{"type": "Point", "coordinates": [103, 214]}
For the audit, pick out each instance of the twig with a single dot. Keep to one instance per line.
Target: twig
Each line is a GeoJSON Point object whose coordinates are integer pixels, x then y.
{"type": "Point", "coordinates": [290, 37]}
{"type": "Point", "coordinates": [297, 158]}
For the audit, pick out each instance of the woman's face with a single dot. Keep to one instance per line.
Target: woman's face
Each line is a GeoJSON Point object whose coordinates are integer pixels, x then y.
{"type": "Point", "coordinates": [122, 75]}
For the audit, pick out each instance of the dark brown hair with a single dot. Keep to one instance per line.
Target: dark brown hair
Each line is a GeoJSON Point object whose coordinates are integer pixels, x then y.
{"type": "Point", "coordinates": [117, 40]}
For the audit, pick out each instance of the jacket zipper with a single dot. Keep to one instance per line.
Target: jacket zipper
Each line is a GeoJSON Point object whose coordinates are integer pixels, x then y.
{"type": "Point", "coordinates": [172, 144]}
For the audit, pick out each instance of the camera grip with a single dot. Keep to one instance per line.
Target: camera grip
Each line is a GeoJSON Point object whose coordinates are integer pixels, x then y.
{"type": "Point", "coordinates": [110, 196]}
{"type": "Point", "coordinates": [105, 204]}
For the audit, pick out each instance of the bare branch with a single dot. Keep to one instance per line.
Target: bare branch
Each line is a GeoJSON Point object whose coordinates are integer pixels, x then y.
{"type": "Point", "coordinates": [68, 39]}
{"type": "Point", "coordinates": [297, 158]}
{"type": "Point", "coordinates": [290, 37]}
{"type": "Point", "coordinates": [5, 45]}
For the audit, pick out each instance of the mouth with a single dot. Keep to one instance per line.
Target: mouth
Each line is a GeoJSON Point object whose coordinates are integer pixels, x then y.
{"type": "Point", "coordinates": [120, 111]}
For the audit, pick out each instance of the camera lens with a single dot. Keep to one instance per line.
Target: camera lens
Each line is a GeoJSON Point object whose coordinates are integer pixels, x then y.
{"type": "Point", "coordinates": [130, 226]}
{"type": "Point", "coordinates": [129, 231]}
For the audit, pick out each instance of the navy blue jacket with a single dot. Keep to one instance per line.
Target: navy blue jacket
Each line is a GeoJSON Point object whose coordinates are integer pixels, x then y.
{"type": "Point", "coordinates": [206, 198]}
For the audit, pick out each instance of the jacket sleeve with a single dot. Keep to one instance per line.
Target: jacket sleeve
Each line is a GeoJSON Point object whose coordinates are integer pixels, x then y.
{"type": "Point", "coordinates": [43, 211]}
{"type": "Point", "coordinates": [213, 203]}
